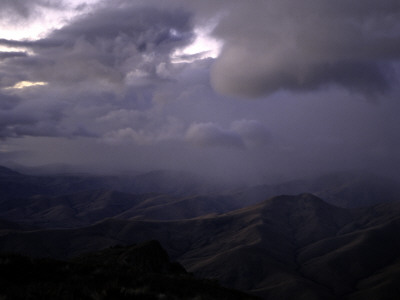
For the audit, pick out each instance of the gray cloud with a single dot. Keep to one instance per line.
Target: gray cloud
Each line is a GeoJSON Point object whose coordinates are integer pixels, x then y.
{"type": "Point", "coordinates": [31, 113]}
{"type": "Point", "coordinates": [115, 100]}
{"type": "Point", "coordinates": [209, 134]}
{"type": "Point", "coordinates": [29, 44]}
{"type": "Point", "coordinates": [241, 134]}
{"type": "Point", "coordinates": [12, 9]}
{"type": "Point", "coordinates": [307, 45]}
{"type": "Point", "coordinates": [140, 127]}
{"type": "Point", "coordinates": [113, 46]}
{"type": "Point", "coordinates": [253, 132]}
{"type": "Point", "coordinates": [8, 102]}
{"type": "Point", "coordinates": [21, 121]}
{"type": "Point", "coordinates": [12, 54]}
{"type": "Point", "coordinates": [114, 53]}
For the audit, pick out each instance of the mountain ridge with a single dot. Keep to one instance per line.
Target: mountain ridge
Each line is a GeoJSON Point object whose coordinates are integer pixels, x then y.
{"type": "Point", "coordinates": [276, 247]}
{"type": "Point", "coordinates": [142, 271]}
{"type": "Point", "coordinates": [272, 248]}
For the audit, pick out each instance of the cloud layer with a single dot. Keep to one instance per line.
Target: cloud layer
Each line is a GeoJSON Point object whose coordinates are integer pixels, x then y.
{"type": "Point", "coordinates": [14, 9]}
{"type": "Point", "coordinates": [114, 97]}
{"type": "Point", "coordinates": [307, 45]}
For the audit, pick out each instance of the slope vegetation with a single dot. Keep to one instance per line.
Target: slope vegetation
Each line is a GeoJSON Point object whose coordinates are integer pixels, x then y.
{"type": "Point", "coordinates": [132, 272]}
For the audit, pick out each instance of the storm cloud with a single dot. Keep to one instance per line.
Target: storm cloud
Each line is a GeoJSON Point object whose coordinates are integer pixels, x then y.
{"type": "Point", "coordinates": [114, 45]}
{"type": "Point", "coordinates": [19, 8]}
{"type": "Point", "coordinates": [12, 54]}
{"type": "Point", "coordinates": [114, 89]}
{"type": "Point", "coordinates": [208, 134]}
{"type": "Point", "coordinates": [107, 59]}
{"type": "Point", "coordinates": [305, 45]}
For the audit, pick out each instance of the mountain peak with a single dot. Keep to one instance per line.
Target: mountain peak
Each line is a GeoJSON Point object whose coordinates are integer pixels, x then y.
{"type": "Point", "coordinates": [305, 217]}
{"type": "Point", "coordinates": [294, 201]}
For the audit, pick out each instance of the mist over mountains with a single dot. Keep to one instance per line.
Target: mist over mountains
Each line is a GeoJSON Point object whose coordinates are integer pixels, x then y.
{"type": "Point", "coordinates": [78, 200]}
{"type": "Point", "coordinates": [332, 237]}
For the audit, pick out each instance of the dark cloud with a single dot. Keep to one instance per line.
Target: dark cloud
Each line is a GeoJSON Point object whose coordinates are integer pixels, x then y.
{"type": "Point", "coordinates": [8, 102]}
{"type": "Point", "coordinates": [112, 53]}
{"type": "Point", "coordinates": [12, 54]}
{"type": "Point", "coordinates": [146, 27]}
{"type": "Point", "coordinates": [21, 120]}
{"type": "Point", "coordinates": [116, 99]}
{"type": "Point", "coordinates": [115, 45]}
{"type": "Point", "coordinates": [28, 113]}
{"type": "Point", "coordinates": [12, 9]}
{"type": "Point", "coordinates": [307, 45]}
{"type": "Point", "coordinates": [29, 44]}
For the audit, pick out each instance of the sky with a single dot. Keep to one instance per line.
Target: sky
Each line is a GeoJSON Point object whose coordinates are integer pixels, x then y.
{"type": "Point", "coordinates": [250, 91]}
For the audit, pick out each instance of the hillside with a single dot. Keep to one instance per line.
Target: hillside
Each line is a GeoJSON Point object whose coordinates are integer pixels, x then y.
{"type": "Point", "coordinates": [352, 190]}
{"type": "Point", "coordinates": [138, 271]}
{"type": "Point", "coordinates": [71, 201]}
{"type": "Point", "coordinates": [88, 207]}
{"type": "Point", "coordinates": [295, 245]}
{"type": "Point", "coordinates": [343, 189]}
{"type": "Point", "coordinates": [286, 246]}
{"type": "Point", "coordinates": [14, 184]}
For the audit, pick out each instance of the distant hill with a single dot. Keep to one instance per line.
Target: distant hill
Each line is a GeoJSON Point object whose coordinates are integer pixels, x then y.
{"type": "Point", "coordinates": [132, 272]}
{"type": "Point", "coordinates": [88, 207]}
{"type": "Point", "coordinates": [14, 184]}
{"type": "Point", "coordinates": [8, 172]}
{"type": "Point", "coordinates": [68, 201]}
{"type": "Point", "coordinates": [352, 190]}
{"type": "Point", "coordinates": [344, 189]}
{"type": "Point", "coordinates": [286, 247]}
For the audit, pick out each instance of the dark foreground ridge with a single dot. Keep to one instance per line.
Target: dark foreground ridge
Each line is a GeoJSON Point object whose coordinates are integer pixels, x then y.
{"type": "Point", "coordinates": [133, 272]}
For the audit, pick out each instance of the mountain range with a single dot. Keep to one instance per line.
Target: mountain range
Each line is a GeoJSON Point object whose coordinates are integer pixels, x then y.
{"type": "Point", "coordinates": [293, 246]}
